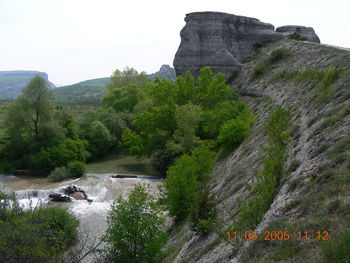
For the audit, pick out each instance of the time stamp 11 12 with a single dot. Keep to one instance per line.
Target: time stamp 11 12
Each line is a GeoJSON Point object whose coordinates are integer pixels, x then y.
{"type": "Point", "coordinates": [277, 235]}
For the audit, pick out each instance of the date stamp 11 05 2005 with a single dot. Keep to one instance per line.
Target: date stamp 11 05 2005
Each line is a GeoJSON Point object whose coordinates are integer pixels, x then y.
{"type": "Point", "coordinates": [277, 235]}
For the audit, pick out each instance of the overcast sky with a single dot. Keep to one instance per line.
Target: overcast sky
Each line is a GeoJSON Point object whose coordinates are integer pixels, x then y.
{"type": "Point", "coordinates": [75, 40]}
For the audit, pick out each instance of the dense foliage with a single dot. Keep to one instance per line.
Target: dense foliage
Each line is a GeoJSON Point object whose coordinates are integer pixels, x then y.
{"type": "Point", "coordinates": [37, 137]}
{"type": "Point", "coordinates": [39, 235]}
{"type": "Point", "coordinates": [135, 229]}
{"type": "Point", "coordinates": [181, 114]}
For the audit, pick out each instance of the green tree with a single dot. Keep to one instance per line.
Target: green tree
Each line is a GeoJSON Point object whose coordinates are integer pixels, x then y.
{"type": "Point", "coordinates": [133, 142]}
{"type": "Point", "coordinates": [187, 119]}
{"type": "Point", "coordinates": [125, 90]}
{"type": "Point", "coordinates": [58, 155]}
{"type": "Point", "coordinates": [184, 179]}
{"type": "Point", "coordinates": [31, 113]}
{"type": "Point", "coordinates": [100, 140]}
{"type": "Point", "coordinates": [135, 229]}
{"type": "Point", "coordinates": [232, 133]}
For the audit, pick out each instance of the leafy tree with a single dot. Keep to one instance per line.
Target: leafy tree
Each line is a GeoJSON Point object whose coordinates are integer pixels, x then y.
{"type": "Point", "coordinates": [125, 90]}
{"type": "Point", "coordinates": [187, 118]}
{"type": "Point", "coordinates": [232, 133]}
{"type": "Point", "coordinates": [100, 140]}
{"type": "Point", "coordinates": [58, 155]}
{"type": "Point", "coordinates": [31, 113]}
{"type": "Point", "coordinates": [133, 142]}
{"type": "Point", "coordinates": [203, 215]}
{"type": "Point", "coordinates": [66, 121]}
{"type": "Point", "coordinates": [115, 123]}
{"type": "Point", "coordinates": [135, 229]}
{"type": "Point", "coordinates": [212, 119]}
{"type": "Point", "coordinates": [184, 179]}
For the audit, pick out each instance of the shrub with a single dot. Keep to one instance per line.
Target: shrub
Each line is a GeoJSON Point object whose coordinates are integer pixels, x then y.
{"type": "Point", "coordinates": [162, 159]}
{"type": "Point", "coordinates": [40, 235]}
{"type": "Point", "coordinates": [135, 229]}
{"type": "Point", "coordinates": [259, 70]}
{"type": "Point", "coordinates": [59, 174]}
{"type": "Point", "coordinates": [338, 249]}
{"type": "Point", "coordinates": [297, 36]}
{"type": "Point", "coordinates": [277, 55]}
{"type": "Point", "coordinates": [232, 133]}
{"type": "Point", "coordinates": [184, 178]}
{"type": "Point", "coordinates": [294, 165]}
{"type": "Point", "coordinates": [59, 155]}
{"type": "Point", "coordinates": [203, 216]}
{"type": "Point", "coordinates": [278, 131]}
{"type": "Point", "coordinates": [76, 168]}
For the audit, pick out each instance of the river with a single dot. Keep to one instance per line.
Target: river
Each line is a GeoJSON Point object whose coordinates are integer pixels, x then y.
{"type": "Point", "coordinates": [101, 188]}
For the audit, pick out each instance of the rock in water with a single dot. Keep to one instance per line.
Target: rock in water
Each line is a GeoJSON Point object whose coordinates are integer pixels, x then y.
{"type": "Point", "coordinates": [59, 198]}
{"type": "Point", "coordinates": [222, 41]}
{"type": "Point", "coordinates": [76, 192]}
{"type": "Point", "coordinates": [307, 32]}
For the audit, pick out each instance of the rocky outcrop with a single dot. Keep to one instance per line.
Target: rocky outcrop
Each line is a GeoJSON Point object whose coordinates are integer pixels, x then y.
{"type": "Point", "coordinates": [56, 197]}
{"type": "Point", "coordinates": [222, 41]}
{"type": "Point", "coordinates": [307, 32]}
{"type": "Point", "coordinates": [70, 192]}
{"type": "Point", "coordinates": [76, 193]}
{"type": "Point", "coordinates": [165, 72]}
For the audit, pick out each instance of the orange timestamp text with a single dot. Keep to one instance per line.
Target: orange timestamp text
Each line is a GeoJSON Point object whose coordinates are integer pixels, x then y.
{"type": "Point", "coordinates": [277, 235]}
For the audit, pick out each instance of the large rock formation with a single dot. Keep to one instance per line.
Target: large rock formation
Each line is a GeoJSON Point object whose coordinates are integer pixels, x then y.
{"type": "Point", "coordinates": [11, 82]}
{"type": "Point", "coordinates": [222, 41]}
{"type": "Point", "coordinates": [307, 32]}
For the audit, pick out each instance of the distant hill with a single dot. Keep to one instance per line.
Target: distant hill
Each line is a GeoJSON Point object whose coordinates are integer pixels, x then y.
{"type": "Point", "coordinates": [11, 82]}
{"type": "Point", "coordinates": [91, 91]}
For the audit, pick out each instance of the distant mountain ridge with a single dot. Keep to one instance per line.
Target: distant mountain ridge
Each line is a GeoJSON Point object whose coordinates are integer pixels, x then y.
{"type": "Point", "coordinates": [11, 82]}
{"type": "Point", "coordinates": [91, 91]}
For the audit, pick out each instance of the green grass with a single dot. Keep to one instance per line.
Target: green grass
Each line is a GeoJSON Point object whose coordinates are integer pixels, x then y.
{"type": "Point", "coordinates": [278, 130]}
{"type": "Point", "coordinates": [337, 250]}
{"type": "Point", "coordinates": [322, 79]}
{"type": "Point", "coordinates": [275, 57]}
{"type": "Point", "coordinates": [121, 164]}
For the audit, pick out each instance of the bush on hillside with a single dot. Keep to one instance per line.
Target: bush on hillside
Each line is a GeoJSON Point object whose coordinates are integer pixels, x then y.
{"type": "Point", "coordinates": [40, 235]}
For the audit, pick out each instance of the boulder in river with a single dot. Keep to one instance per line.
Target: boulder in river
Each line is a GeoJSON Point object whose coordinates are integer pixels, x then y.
{"type": "Point", "coordinates": [55, 197]}
{"type": "Point", "coordinates": [76, 193]}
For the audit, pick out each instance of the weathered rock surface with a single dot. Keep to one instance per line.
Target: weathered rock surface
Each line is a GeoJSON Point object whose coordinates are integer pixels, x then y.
{"type": "Point", "coordinates": [235, 173]}
{"type": "Point", "coordinates": [76, 193]}
{"type": "Point", "coordinates": [70, 192]}
{"type": "Point", "coordinates": [55, 197]}
{"type": "Point", "coordinates": [307, 32]}
{"type": "Point", "coordinates": [222, 41]}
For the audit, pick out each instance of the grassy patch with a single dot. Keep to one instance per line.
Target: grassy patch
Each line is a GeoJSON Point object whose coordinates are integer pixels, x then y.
{"type": "Point", "coordinates": [259, 70]}
{"type": "Point", "coordinates": [275, 57]}
{"type": "Point", "coordinates": [331, 121]}
{"type": "Point", "coordinates": [278, 130]}
{"type": "Point", "coordinates": [337, 250]}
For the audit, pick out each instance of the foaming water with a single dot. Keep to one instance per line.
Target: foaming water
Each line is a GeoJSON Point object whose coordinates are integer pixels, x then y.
{"type": "Point", "coordinates": [101, 188]}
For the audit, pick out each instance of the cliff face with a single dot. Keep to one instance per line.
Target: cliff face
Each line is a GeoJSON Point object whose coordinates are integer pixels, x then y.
{"type": "Point", "coordinates": [313, 82]}
{"type": "Point", "coordinates": [222, 41]}
{"type": "Point", "coordinates": [11, 82]}
{"type": "Point", "coordinates": [307, 32]}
